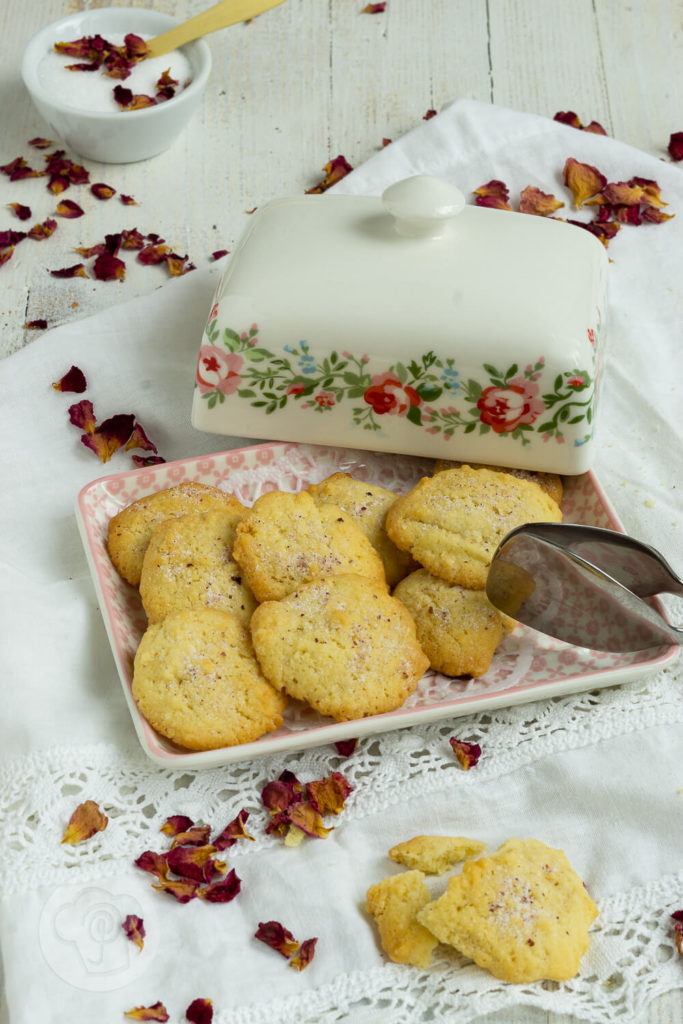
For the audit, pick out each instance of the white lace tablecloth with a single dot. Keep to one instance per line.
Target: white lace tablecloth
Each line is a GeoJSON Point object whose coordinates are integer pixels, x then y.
{"type": "Point", "coordinates": [597, 774]}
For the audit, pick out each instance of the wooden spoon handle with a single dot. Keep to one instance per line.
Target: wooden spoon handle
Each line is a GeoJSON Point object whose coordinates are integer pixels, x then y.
{"type": "Point", "coordinates": [227, 12]}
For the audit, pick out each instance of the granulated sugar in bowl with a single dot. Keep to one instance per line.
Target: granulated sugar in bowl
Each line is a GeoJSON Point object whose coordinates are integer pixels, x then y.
{"type": "Point", "coordinates": [100, 117]}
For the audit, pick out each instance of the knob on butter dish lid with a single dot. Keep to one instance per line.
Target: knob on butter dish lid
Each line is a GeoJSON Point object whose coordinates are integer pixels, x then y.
{"type": "Point", "coordinates": [410, 323]}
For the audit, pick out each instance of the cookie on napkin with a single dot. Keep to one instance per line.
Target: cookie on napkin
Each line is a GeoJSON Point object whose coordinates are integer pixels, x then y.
{"type": "Point", "coordinates": [286, 540]}
{"type": "Point", "coordinates": [341, 644]}
{"type": "Point", "coordinates": [188, 564]}
{"type": "Point", "coordinates": [452, 523]}
{"type": "Point", "coordinates": [197, 682]}
{"type": "Point", "coordinates": [130, 530]}
{"type": "Point", "coordinates": [394, 903]}
{"type": "Point", "coordinates": [435, 854]}
{"type": "Point", "coordinates": [522, 913]}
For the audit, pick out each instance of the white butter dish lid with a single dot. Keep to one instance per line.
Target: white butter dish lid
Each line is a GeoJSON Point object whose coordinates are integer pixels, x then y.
{"type": "Point", "coordinates": [410, 323]}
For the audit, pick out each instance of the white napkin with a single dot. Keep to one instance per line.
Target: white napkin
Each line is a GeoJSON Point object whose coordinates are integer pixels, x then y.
{"type": "Point", "coordinates": [598, 774]}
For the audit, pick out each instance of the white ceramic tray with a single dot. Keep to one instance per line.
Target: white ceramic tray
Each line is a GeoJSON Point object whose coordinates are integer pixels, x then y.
{"type": "Point", "coordinates": [527, 666]}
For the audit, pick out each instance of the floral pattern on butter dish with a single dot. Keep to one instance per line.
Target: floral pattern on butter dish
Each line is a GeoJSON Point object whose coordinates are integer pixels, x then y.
{"type": "Point", "coordinates": [429, 392]}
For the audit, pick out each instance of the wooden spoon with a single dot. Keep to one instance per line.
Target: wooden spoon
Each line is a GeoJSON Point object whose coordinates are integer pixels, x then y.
{"type": "Point", "coordinates": [227, 12]}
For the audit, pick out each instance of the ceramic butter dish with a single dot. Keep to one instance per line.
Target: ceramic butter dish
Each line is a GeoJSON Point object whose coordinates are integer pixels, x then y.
{"type": "Point", "coordinates": [409, 323]}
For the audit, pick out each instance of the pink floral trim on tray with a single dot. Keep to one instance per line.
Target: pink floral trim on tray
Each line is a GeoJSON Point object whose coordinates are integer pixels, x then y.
{"type": "Point", "coordinates": [527, 666]}
{"type": "Point", "coordinates": [428, 392]}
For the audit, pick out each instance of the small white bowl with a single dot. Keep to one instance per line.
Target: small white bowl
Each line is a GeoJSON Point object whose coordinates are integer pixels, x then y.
{"type": "Point", "coordinates": [114, 137]}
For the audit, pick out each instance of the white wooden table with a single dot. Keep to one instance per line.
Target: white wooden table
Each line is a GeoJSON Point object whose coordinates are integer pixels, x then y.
{"type": "Point", "coordinates": [310, 80]}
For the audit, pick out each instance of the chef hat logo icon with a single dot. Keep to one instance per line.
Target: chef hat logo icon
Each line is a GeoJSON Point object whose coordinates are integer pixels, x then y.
{"type": "Point", "coordinates": [83, 940]}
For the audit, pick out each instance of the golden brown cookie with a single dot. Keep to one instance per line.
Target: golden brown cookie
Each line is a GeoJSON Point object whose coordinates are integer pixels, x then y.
{"type": "Point", "coordinates": [189, 564]}
{"type": "Point", "coordinates": [394, 903]}
{"type": "Point", "coordinates": [130, 530]}
{"type": "Point", "coordinates": [523, 913]}
{"type": "Point", "coordinates": [367, 504]}
{"type": "Point", "coordinates": [453, 522]}
{"type": "Point", "coordinates": [286, 540]}
{"type": "Point", "coordinates": [342, 644]}
{"type": "Point", "coordinates": [551, 483]}
{"type": "Point", "coordinates": [435, 854]}
{"type": "Point", "coordinates": [458, 629]}
{"type": "Point", "coordinates": [197, 682]}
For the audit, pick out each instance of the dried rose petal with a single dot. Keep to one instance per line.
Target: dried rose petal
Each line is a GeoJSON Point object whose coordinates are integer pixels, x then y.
{"type": "Point", "coordinates": [541, 204]}
{"type": "Point", "coordinates": [304, 816]}
{"type": "Point", "coordinates": [183, 890]}
{"type": "Point", "coordinates": [374, 8]}
{"type": "Point", "coordinates": [468, 754]}
{"type": "Point", "coordinates": [77, 270]}
{"type": "Point", "coordinates": [152, 254]}
{"type": "Point", "coordinates": [67, 208]}
{"type": "Point", "coordinates": [605, 232]}
{"type": "Point", "coordinates": [196, 835]}
{"type": "Point", "coordinates": [36, 325]}
{"type": "Point", "coordinates": [123, 96]}
{"type": "Point", "coordinates": [39, 143]}
{"type": "Point", "coordinates": [279, 938]}
{"type": "Point", "coordinates": [6, 255]}
{"type": "Point", "coordinates": [570, 118]}
{"type": "Point", "coordinates": [278, 795]}
{"type": "Point", "coordinates": [154, 863]}
{"type": "Point", "coordinates": [335, 170]}
{"type": "Point", "coordinates": [675, 147]}
{"type": "Point", "coordinates": [134, 928]}
{"type": "Point", "coordinates": [128, 200]}
{"type": "Point", "coordinates": [177, 265]}
{"type": "Point", "coordinates": [677, 918]}
{"type": "Point", "coordinates": [305, 954]}
{"type": "Point", "coordinates": [223, 891]}
{"type": "Point", "coordinates": [139, 439]}
{"type": "Point", "coordinates": [73, 380]}
{"type": "Point", "coordinates": [140, 101]}
{"type": "Point", "coordinates": [327, 796]}
{"type": "Point", "coordinates": [175, 824]}
{"type": "Point", "coordinates": [20, 211]}
{"type": "Point", "coordinates": [195, 862]}
{"type": "Point", "coordinates": [200, 1011]}
{"type": "Point", "coordinates": [232, 832]}
{"type": "Point", "coordinates": [346, 747]}
{"type": "Point", "coordinates": [583, 180]}
{"type": "Point", "coordinates": [111, 435]}
{"type": "Point", "coordinates": [494, 195]}
{"type": "Point", "coordinates": [8, 238]}
{"type": "Point", "coordinates": [40, 231]}
{"type": "Point", "coordinates": [136, 47]}
{"type": "Point", "coordinates": [219, 254]}
{"type": "Point", "coordinates": [82, 415]}
{"type": "Point", "coordinates": [102, 191]}
{"type": "Point", "coordinates": [156, 1012]}
{"type": "Point", "coordinates": [429, 115]}
{"type": "Point", "coordinates": [109, 268]}
{"type": "Point", "coordinates": [85, 821]}
{"type": "Point", "coordinates": [18, 168]}
{"type": "Point", "coordinates": [655, 216]}
{"type": "Point", "coordinates": [131, 238]}
{"type": "Point", "coordinates": [149, 460]}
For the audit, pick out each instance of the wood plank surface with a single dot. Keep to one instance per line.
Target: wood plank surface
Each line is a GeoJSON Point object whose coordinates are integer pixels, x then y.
{"type": "Point", "coordinates": [307, 81]}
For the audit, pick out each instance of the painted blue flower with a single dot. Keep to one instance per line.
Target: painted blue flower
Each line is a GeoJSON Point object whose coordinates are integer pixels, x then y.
{"type": "Point", "coordinates": [450, 378]}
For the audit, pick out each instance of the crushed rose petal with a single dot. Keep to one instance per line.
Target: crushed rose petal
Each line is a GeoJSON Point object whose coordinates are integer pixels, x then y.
{"type": "Point", "coordinates": [35, 325]}
{"type": "Point", "coordinates": [200, 1011]}
{"type": "Point", "coordinates": [568, 117]}
{"type": "Point", "coordinates": [233, 831]}
{"type": "Point", "coordinates": [305, 954]}
{"type": "Point", "coordinates": [196, 835]}
{"type": "Point", "coordinates": [183, 890]}
{"type": "Point", "coordinates": [85, 821]}
{"type": "Point", "coordinates": [40, 231]}
{"type": "Point", "coordinates": [675, 147]}
{"type": "Point", "coordinates": [155, 1012]}
{"type": "Point", "coordinates": [494, 195]}
{"type": "Point", "coordinates": [279, 938]}
{"type": "Point", "coordinates": [73, 380]}
{"type": "Point", "coordinates": [67, 208]}
{"type": "Point", "coordinates": [39, 143]}
{"type": "Point", "coordinates": [20, 211]}
{"type": "Point", "coordinates": [335, 170]}
{"type": "Point", "coordinates": [429, 115]}
{"type": "Point", "coordinates": [532, 200]}
{"type": "Point", "coordinates": [11, 238]}
{"type": "Point", "coordinates": [677, 918]}
{"type": "Point", "coordinates": [468, 754]}
{"type": "Point", "coordinates": [134, 929]}
{"type": "Point", "coordinates": [328, 795]}
{"type": "Point", "coordinates": [222, 891]}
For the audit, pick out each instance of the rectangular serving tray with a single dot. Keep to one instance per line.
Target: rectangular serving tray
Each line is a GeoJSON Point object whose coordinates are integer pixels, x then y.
{"type": "Point", "coordinates": [527, 666]}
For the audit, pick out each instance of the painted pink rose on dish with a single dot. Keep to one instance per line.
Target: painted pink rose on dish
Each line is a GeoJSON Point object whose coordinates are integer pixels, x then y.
{"type": "Point", "coordinates": [504, 409]}
{"type": "Point", "coordinates": [386, 394]}
{"type": "Point", "coordinates": [218, 370]}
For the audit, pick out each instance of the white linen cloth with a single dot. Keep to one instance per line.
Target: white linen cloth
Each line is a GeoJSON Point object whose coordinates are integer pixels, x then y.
{"type": "Point", "coordinates": [598, 774]}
